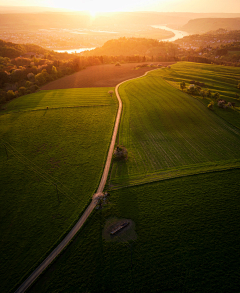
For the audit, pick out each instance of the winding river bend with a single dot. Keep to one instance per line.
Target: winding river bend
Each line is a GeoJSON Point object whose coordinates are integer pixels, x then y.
{"type": "Point", "coordinates": [178, 35]}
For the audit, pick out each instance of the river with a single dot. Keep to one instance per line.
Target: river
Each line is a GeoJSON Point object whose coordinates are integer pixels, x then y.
{"type": "Point", "coordinates": [178, 35]}
{"type": "Point", "coordinates": [79, 50]}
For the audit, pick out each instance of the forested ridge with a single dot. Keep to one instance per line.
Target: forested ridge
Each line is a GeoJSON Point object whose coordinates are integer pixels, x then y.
{"type": "Point", "coordinates": [132, 46]}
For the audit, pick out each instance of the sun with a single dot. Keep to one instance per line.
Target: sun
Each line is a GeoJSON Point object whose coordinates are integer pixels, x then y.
{"type": "Point", "coordinates": [93, 13]}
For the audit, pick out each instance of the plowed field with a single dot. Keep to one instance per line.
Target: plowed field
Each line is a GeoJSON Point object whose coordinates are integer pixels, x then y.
{"type": "Point", "coordinates": [99, 76]}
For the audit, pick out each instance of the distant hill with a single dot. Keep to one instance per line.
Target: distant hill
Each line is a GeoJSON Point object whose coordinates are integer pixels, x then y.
{"type": "Point", "coordinates": [12, 50]}
{"type": "Point", "coordinates": [71, 20]}
{"type": "Point", "coordinates": [203, 25]}
{"type": "Point", "coordinates": [29, 18]}
{"type": "Point", "coordinates": [134, 46]}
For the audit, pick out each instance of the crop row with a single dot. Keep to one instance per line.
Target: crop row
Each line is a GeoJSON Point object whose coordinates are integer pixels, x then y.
{"type": "Point", "coordinates": [164, 128]}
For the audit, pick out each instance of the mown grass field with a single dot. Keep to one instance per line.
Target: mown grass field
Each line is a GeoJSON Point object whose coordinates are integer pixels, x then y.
{"type": "Point", "coordinates": [187, 241]}
{"type": "Point", "coordinates": [221, 79]}
{"type": "Point", "coordinates": [61, 99]}
{"type": "Point", "coordinates": [168, 133]}
{"type": "Point", "coordinates": [51, 162]}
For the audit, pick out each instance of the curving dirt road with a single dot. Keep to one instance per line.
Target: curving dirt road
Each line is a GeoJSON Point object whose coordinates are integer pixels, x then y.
{"type": "Point", "coordinates": [36, 273]}
{"type": "Point", "coordinates": [106, 75]}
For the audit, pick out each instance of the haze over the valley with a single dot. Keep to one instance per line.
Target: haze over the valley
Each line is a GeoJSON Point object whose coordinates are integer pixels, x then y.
{"type": "Point", "coordinates": [94, 6]}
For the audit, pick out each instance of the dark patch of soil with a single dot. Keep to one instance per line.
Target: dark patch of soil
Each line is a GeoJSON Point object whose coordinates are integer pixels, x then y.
{"type": "Point", "coordinates": [107, 75]}
{"type": "Point", "coordinates": [126, 234]}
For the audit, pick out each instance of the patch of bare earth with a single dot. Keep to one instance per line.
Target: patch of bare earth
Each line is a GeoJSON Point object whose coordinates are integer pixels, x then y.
{"type": "Point", "coordinates": [124, 235]}
{"type": "Point", "coordinates": [107, 75]}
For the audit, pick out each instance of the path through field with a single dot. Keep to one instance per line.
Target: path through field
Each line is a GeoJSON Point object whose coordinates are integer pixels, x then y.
{"type": "Point", "coordinates": [25, 285]}
{"type": "Point", "coordinates": [107, 75]}
{"type": "Point", "coordinates": [168, 134]}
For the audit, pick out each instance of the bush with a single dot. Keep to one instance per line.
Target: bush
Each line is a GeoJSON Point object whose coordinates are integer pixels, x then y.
{"type": "Point", "coordinates": [2, 99]}
{"type": "Point", "coordinates": [192, 89]}
{"type": "Point", "coordinates": [221, 103]}
{"type": "Point", "coordinates": [182, 85]}
{"type": "Point", "coordinates": [40, 79]}
{"type": "Point", "coordinates": [28, 84]}
{"type": "Point", "coordinates": [33, 88]}
{"type": "Point", "coordinates": [120, 153]}
{"type": "Point", "coordinates": [22, 90]}
{"type": "Point", "coordinates": [10, 95]}
{"type": "Point", "coordinates": [210, 105]}
{"type": "Point", "coordinates": [110, 93]}
{"type": "Point", "coordinates": [209, 94]}
{"type": "Point", "coordinates": [117, 64]}
{"type": "Point", "coordinates": [216, 95]}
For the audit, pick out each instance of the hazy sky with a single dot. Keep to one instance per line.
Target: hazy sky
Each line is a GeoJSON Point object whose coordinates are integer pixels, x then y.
{"type": "Point", "coordinates": [132, 5]}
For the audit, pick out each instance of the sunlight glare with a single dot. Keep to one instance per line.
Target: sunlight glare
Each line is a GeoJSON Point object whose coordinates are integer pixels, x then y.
{"type": "Point", "coordinates": [96, 6]}
{"type": "Point", "coordinates": [93, 13]}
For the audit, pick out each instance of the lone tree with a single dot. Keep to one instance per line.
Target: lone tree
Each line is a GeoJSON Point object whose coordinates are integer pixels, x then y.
{"type": "Point", "coordinates": [210, 105]}
{"type": "Point", "coordinates": [110, 93]}
{"type": "Point", "coordinates": [120, 153]}
{"type": "Point", "coordinates": [216, 95]}
{"type": "Point", "coordinates": [209, 94]}
{"type": "Point", "coordinates": [182, 85]}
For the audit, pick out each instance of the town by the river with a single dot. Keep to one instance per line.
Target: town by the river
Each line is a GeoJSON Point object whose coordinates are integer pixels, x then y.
{"type": "Point", "coordinates": [177, 35]}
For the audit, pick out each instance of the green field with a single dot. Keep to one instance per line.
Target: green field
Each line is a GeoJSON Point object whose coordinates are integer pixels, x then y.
{"type": "Point", "coordinates": [187, 241]}
{"type": "Point", "coordinates": [51, 162]}
{"type": "Point", "coordinates": [221, 79]}
{"type": "Point", "coordinates": [187, 226]}
{"type": "Point", "coordinates": [61, 99]}
{"type": "Point", "coordinates": [168, 133]}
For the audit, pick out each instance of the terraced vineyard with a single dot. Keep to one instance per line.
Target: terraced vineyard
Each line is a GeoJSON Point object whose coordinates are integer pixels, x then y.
{"type": "Point", "coordinates": [168, 133]}
{"type": "Point", "coordinates": [51, 162]}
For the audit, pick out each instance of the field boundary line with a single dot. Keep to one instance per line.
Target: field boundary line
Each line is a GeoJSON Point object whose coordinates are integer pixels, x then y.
{"type": "Point", "coordinates": [156, 177]}
{"type": "Point", "coordinates": [61, 246]}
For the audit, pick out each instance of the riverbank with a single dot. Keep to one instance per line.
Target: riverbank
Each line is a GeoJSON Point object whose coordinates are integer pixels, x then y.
{"type": "Point", "coordinates": [177, 35]}
{"type": "Point", "coordinates": [72, 51]}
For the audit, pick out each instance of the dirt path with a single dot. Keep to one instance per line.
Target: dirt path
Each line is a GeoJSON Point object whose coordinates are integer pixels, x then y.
{"type": "Point", "coordinates": [27, 283]}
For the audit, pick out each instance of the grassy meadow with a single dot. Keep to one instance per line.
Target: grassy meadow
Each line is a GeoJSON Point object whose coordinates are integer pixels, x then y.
{"type": "Point", "coordinates": [221, 79]}
{"type": "Point", "coordinates": [63, 98]}
{"type": "Point", "coordinates": [51, 162]}
{"type": "Point", "coordinates": [168, 133]}
{"type": "Point", "coordinates": [187, 241]}
{"type": "Point", "coordinates": [187, 227]}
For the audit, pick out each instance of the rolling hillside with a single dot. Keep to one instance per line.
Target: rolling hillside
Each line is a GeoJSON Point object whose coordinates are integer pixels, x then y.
{"type": "Point", "coordinates": [203, 25]}
{"type": "Point", "coordinates": [168, 133]}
